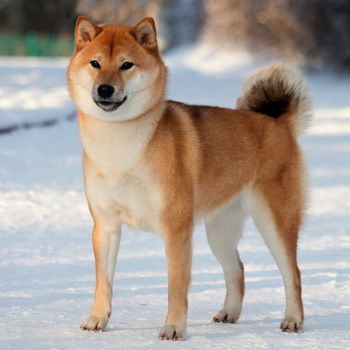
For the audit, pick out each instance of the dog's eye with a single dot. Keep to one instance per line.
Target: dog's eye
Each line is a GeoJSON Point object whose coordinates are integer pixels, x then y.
{"type": "Point", "coordinates": [126, 65]}
{"type": "Point", "coordinates": [95, 64]}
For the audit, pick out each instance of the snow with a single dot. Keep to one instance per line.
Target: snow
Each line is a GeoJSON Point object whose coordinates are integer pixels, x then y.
{"type": "Point", "coordinates": [33, 92]}
{"type": "Point", "coordinates": [46, 260]}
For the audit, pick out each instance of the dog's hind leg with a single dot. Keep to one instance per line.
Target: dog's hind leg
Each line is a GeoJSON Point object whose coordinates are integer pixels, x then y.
{"type": "Point", "coordinates": [224, 230]}
{"type": "Point", "coordinates": [277, 212]}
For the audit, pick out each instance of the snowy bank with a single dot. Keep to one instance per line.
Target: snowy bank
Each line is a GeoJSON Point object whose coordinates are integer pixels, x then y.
{"type": "Point", "coordinates": [33, 93]}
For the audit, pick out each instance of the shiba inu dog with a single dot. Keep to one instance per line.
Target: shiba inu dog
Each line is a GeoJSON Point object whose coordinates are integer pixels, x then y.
{"type": "Point", "coordinates": [162, 166]}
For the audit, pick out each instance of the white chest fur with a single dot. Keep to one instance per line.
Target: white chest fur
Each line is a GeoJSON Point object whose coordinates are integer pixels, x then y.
{"type": "Point", "coordinates": [133, 199]}
{"type": "Point", "coordinates": [120, 185]}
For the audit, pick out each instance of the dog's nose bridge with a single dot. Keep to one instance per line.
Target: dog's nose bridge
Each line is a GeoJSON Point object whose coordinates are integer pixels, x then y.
{"type": "Point", "coordinates": [111, 76]}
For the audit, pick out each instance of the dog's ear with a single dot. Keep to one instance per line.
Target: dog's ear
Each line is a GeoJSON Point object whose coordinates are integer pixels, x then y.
{"type": "Point", "coordinates": [145, 33]}
{"type": "Point", "coordinates": [85, 31]}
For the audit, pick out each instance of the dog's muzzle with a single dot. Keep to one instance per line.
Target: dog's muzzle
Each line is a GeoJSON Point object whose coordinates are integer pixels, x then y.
{"type": "Point", "coordinates": [105, 99]}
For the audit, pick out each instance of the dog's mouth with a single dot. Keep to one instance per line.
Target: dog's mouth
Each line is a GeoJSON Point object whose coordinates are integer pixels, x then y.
{"type": "Point", "coordinates": [110, 106]}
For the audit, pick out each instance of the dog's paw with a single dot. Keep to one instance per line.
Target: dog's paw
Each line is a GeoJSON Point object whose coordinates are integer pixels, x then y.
{"type": "Point", "coordinates": [169, 332]}
{"type": "Point", "coordinates": [292, 325]}
{"type": "Point", "coordinates": [93, 323]}
{"type": "Point", "coordinates": [225, 316]}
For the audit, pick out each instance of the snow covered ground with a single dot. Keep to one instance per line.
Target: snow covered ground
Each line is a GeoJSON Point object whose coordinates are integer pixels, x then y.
{"type": "Point", "coordinates": [46, 259]}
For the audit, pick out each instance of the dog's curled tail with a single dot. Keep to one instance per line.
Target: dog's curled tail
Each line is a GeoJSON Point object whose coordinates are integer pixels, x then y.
{"type": "Point", "coordinates": [280, 92]}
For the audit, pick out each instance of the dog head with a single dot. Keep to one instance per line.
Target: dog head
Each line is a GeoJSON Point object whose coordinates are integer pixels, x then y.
{"type": "Point", "coordinates": [116, 72]}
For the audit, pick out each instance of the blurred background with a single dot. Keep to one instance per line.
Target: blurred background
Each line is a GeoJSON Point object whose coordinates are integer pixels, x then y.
{"type": "Point", "coordinates": [312, 33]}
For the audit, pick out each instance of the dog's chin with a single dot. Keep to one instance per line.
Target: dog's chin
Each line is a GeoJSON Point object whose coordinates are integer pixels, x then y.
{"type": "Point", "coordinates": [109, 106]}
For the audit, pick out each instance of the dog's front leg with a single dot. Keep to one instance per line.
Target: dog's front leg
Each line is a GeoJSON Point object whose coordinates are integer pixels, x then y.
{"type": "Point", "coordinates": [106, 239]}
{"type": "Point", "coordinates": [178, 247]}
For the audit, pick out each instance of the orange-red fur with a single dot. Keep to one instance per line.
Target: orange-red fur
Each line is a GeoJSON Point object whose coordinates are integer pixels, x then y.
{"type": "Point", "coordinates": [163, 165]}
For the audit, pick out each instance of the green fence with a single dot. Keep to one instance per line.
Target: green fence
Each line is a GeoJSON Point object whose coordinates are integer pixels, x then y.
{"type": "Point", "coordinates": [33, 44]}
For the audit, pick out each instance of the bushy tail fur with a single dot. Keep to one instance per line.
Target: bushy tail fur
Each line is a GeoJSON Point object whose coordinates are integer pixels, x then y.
{"type": "Point", "coordinates": [280, 92]}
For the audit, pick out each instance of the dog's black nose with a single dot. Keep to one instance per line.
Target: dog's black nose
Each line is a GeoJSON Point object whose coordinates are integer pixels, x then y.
{"type": "Point", "coordinates": [105, 90]}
